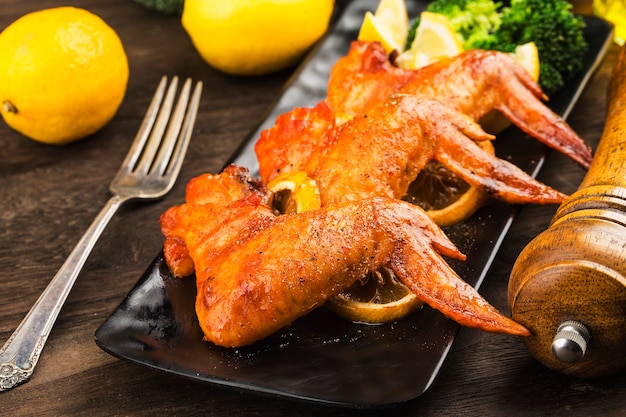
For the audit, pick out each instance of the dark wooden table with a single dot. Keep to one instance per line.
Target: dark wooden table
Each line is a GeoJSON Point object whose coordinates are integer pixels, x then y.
{"type": "Point", "coordinates": [49, 195]}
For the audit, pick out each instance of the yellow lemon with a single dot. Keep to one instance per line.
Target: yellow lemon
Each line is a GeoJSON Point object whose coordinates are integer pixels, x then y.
{"type": "Point", "coordinates": [377, 298]}
{"type": "Point", "coordinates": [295, 192]}
{"type": "Point", "coordinates": [245, 37]}
{"type": "Point", "coordinates": [435, 39]}
{"type": "Point", "coordinates": [614, 11]}
{"type": "Point", "coordinates": [389, 25]}
{"type": "Point", "coordinates": [63, 74]}
{"type": "Point", "coordinates": [447, 199]}
{"type": "Point", "coordinates": [527, 55]}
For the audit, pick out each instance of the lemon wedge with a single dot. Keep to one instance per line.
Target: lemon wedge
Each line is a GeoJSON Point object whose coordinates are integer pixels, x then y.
{"type": "Point", "coordinates": [527, 55]}
{"type": "Point", "coordinates": [389, 25]}
{"type": "Point", "coordinates": [435, 39]}
{"type": "Point", "coordinates": [295, 192]}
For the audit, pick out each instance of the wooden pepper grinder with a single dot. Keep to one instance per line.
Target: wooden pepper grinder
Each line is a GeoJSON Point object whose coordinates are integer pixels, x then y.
{"type": "Point", "coordinates": [568, 286]}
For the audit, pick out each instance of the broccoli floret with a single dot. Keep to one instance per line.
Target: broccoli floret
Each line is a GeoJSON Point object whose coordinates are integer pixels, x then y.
{"type": "Point", "coordinates": [474, 21]}
{"type": "Point", "coordinates": [556, 31]}
{"type": "Point", "coordinates": [169, 7]}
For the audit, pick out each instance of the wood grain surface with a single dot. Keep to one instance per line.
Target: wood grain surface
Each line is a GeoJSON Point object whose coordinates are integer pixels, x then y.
{"type": "Point", "coordinates": [49, 196]}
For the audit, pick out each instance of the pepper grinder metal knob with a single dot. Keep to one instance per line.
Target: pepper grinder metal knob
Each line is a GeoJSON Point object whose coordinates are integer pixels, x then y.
{"type": "Point", "coordinates": [570, 342]}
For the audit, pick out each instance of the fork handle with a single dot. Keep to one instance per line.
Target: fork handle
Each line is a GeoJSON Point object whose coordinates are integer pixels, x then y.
{"type": "Point", "coordinates": [20, 353]}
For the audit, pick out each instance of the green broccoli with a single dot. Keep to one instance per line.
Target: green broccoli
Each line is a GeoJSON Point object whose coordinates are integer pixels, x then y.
{"type": "Point", "coordinates": [550, 24]}
{"type": "Point", "coordinates": [556, 31]}
{"type": "Point", "coordinates": [169, 7]}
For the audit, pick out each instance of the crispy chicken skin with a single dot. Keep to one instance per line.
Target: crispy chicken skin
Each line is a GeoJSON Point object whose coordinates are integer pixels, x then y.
{"type": "Point", "coordinates": [474, 83]}
{"type": "Point", "coordinates": [251, 283]}
{"type": "Point", "coordinates": [380, 152]}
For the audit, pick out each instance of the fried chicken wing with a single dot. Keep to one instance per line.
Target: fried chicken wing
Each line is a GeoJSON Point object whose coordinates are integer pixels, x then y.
{"type": "Point", "coordinates": [251, 284]}
{"type": "Point", "coordinates": [474, 83]}
{"type": "Point", "coordinates": [381, 152]}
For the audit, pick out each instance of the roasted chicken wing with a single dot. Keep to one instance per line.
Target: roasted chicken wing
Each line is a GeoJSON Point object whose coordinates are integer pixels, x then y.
{"type": "Point", "coordinates": [257, 272]}
{"type": "Point", "coordinates": [474, 83]}
{"type": "Point", "coordinates": [380, 152]}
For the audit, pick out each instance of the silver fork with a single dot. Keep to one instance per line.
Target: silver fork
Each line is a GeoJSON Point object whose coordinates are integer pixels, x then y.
{"type": "Point", "coordinates": [148, 172]}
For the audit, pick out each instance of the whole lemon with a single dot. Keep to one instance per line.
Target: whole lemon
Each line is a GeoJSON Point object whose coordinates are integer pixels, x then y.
{"type": "Point", "coordinates": [63, 74]}
{"type": "Point", "coordinates": [244, 37]}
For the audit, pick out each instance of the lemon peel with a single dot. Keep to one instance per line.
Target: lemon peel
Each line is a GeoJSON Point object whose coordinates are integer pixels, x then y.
{"type": "Point", "coordinates": [303, 193]}
{"type": "Point", "coordinates": [435, 39]}
{"type": "Point", "coordinates": [63, 74]}
{"type": "Point", "coordinates": [389, 25]}
{"type": "Point", "coordinates": [378, 298]}
{"type": "Point", "coordinates": [240, 37]}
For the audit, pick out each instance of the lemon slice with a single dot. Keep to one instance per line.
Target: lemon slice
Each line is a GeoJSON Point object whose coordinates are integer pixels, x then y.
{"type": "Point", "coordinates": [294, 192]}
{"type": "Point", "coordinates": [446, 198]}
{"type": "Point", "coordinates": [377, 298]}
{"type": "Point", "coordinates": [389, 25]}
{"type": "Point", "coordinates": [435, 39]}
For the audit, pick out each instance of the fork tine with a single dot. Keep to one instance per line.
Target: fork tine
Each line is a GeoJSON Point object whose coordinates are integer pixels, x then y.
{"type": "Point", "coordinates": [171, 137]}
{"type": "Point", "coordinates": [144, 130]}
{"type": "Point", "coordinates": [154, 141]}
{"type": "Point", "coordinates": [178, 155]}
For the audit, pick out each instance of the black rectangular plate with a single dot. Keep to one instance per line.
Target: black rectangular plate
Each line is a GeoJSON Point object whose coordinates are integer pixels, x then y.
{"type": "Point", "coordinates": [321, 357]}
